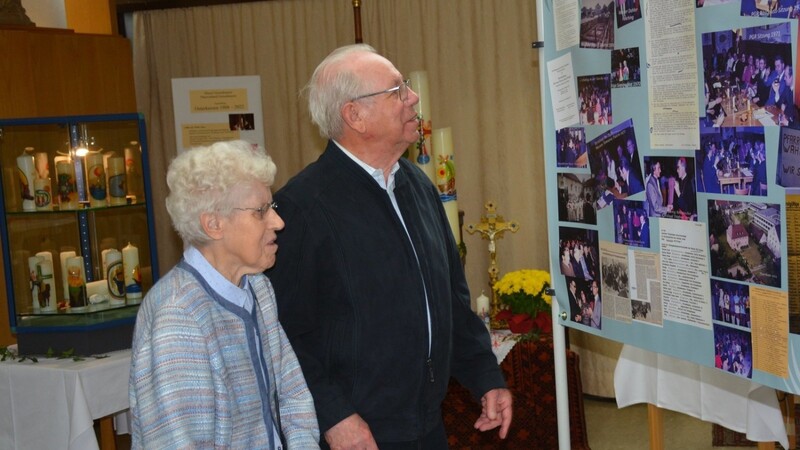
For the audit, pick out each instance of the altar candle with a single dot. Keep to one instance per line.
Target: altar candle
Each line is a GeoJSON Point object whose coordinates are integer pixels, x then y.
{"type": "Point", "coordinates": [96, 179]}
{"type": "Point", "coordinates": [76, 281]}
{"type": "Point", "coordinates": [133, 279]}
{"type": "Point", "coordinates": [421, 152]}
{"type": "Point", "coordinates": [35, 279]}
{"type": "Point", "coordinates": [63, 256]}
{"type": "Point", "coordinates": [482, 305]}
{"type": "Point", "coordinates": [26, 171]}
{"type": "Point", "coordinates": [117, 181]}
{"type": "Point", "coordinates": [47, 295]}
{"type": "Point", "coordinates": [446, 176]}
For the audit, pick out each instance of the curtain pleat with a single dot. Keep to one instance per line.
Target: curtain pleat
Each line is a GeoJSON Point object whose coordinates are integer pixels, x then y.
{"type": "Point", "coordinates": [484, 84]}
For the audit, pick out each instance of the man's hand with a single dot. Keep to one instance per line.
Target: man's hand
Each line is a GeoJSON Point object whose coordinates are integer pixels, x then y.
{"type": "Point", "coordinates": [350, 434]}
{"type": "Point", "coordinates": [495, 410]}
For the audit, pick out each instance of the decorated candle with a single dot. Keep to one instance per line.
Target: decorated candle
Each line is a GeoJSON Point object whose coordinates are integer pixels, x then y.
{"type": "Point", "coordinates": [26, 171]}
{"type": "Point", "coordinates": [117, 181]}
{"type": "Point", "coordinates": [420, 152]}
{"type": "Point", "coordinates": [77, 283]}
{"type": "Point", "coordinates": [47, 288]}
{"type": "Point", "coordinates": [133, 279]}
{"type": "Point", "coordinates": [133, 170]}
{"type": "Point", "coordinates": [63, 257]}
{"type": "Point", "coordinates": [114, 275]}
{"type": "Point", "coordinates": [42, 163]}
{"type": "Point", "coordinates": [35, 280]}
{"type": "Point", "coordinates": [67, 190]}
{"type": "Point", "coordinates": [43, 194]}
{"type": "Point", "coordinates": [96, 179]}
{"type": "Point", "coordinates": [482, 305]}
{"type": "Point", "coordinates": [444, 156]}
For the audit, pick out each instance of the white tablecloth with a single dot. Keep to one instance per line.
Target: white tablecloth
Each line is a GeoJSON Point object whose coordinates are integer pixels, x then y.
{"type": "Point", "coordinates": [699, 391]}
{"type": "Point", "coordinates": [52, 404]}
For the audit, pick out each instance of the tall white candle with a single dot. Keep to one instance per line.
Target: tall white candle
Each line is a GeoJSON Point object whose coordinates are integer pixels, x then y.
{"type": "Point", "coordinates": [446, 176]}
{"type": "Point", "coordinates": [26, 171]}
{"type": "Point", "coordinates": [96, 179]}
{"type": "Point", "coordinates": [117, 181]}
{"type": "Point", "coordinates": [63, 257]}
{"type": "Point", "coordinates": [133, 279]}
{"type": "Point", "coordinates": [133, 170]}
{"type": "Point", "coordinates": [35, 280]}
{"type": "Point", "coordinates": [482, 305]}
{"type": "Point", "coordinates": [47, 294]}
{"type": "Point", "coordinates": [421, 152]}
{"type": "Point", "coordinates": [76, 279]}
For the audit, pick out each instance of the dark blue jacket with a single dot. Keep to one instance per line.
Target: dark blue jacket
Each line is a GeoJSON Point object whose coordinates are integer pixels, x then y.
{"type": "Point", "coordinates": [351, 298]}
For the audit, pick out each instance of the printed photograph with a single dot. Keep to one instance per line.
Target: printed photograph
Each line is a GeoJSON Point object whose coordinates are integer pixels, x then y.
{"type": "Point", "coordinates": [585, 303]}
{"type": "Point", "coordinates": [594, 99]}
{"type": "Point", "coordinates": [576, 198]}
{"type": "Point", "coordinates": [670, 189]}
{"type": "Point", "coordinates": [571, 145]}
{"type": "Point", "coordinates": [625, 69]}
{"type": "Point", "coordinates": [733, 351]}
{"type": "Point", "coordinates": [627, 12]}
{"type": "Point", "coordinates": [615, 164]}
{"type": "Point", "coordinates": [631, 224]}
{"type": "Point", "coordinates": [775, 9]}
{"type": "Point", "coordinates": [732, 161]}
{"type": "Point", "coordinates": [597, 24]}
{"type": "Point", "coordinates": [730, 303]}
{"type": "Point", "coordinates": [578, 251]}
{"type": "Point", "coordinates": [745, 241]}
{"type": "Point", "coordinates": [748, 77]}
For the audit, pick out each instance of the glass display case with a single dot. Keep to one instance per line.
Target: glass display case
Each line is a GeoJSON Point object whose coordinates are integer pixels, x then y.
{"type": "Point", "coordinates": [77, 230]}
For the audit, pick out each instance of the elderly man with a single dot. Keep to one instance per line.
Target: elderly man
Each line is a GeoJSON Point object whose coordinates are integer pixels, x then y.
{"type": "Point", "coordinates": [654, 199]}
{"type": "Point", "coordinates": [369, 282]}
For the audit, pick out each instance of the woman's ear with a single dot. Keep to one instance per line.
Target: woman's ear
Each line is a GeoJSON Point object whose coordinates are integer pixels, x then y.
{"type": "Point", "coordinates": [212, 225]}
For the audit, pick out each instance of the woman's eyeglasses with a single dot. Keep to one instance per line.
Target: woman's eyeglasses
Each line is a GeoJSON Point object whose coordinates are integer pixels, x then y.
{"type": "Point", "coordinates": [262, 211]}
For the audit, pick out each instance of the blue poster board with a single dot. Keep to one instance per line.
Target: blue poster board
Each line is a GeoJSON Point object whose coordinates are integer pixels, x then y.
{"type": "Point", "coordinates": [598, 169]}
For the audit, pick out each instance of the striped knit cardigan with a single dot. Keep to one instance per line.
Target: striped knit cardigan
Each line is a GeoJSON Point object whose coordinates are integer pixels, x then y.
{"type": "Point", "coordinates": [193, 383]}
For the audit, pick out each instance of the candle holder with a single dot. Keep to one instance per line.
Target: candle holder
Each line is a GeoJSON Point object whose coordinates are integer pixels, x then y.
{"type": "Point", "coordinates": [491, 228]}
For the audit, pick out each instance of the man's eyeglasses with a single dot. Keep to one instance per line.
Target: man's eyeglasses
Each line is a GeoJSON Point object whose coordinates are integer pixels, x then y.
{"type": "Point", "coordinates": [260, 212]}
{"type": "Point", "coordinates": [401, 89]}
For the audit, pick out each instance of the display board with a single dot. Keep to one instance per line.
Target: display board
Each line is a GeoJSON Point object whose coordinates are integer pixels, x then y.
{"type": "Point", "coordinates": [670, 135]}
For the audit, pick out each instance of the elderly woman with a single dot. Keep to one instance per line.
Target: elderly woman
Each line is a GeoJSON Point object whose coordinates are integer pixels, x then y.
{"type": "Point", "coordinates": [211, 365]}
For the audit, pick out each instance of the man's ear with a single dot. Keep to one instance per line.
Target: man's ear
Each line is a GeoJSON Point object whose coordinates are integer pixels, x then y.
{"type": "Point", "coordinates": [212, 225]}
{"type": "Point", "coordinates": [353, 115]}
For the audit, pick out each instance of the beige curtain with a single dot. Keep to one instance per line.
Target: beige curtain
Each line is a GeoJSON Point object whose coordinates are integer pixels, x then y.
{"type": "Point", "coordinates": [484, 83]}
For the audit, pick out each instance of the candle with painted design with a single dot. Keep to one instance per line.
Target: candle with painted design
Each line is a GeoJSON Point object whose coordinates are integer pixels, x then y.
{"type": "Point", "coordinates": [133, 278]}
{"type": "Point", "coordinates": [483, 309]}
{"type": "Point", "coordinates": [444, 156]}
{"type": "Point", "coordinates": [420, 152]}
{"type": "Point", "coordinates": [114, 273]}
{"type": "Point", "coordinates": [26, 171]}
{"type": "Point", "coordinates": [43, 194]}
{"type": "Point", "coordinates": [96, 179]}
{"type": "Point", "coordinates": [63, 257]}
{"type": "Point", "coordinates": [67, 189]}
{"type": "Point", "coordinates": [76, 280]}
{"type": "Point", "coordinates": [47, 292]}
{"type": "Point", "coordinates": [35, 280]}
{"type": "Point", "coordinates": [117, 181]}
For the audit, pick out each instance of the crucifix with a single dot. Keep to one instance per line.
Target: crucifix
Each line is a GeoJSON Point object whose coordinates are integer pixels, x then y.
{"type": "Point", "coordinates": [491, 228]}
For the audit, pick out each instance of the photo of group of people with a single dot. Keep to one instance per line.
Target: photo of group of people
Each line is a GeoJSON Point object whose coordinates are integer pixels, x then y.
{"type": "Point", "coordinates": [748, 76]}
{"type": "Point", "coordinates": [578, 251]}
{"type": "Point", "coordinates": [576, 201]}
{"type": "Point", "coordinates": [670, 187]}
{"type": "Point", "coordinates": [571, 144]}
{"type": "Point", "coordinates": [594, 100]}
{"type": "Point", "coordinates": [615, 164]}
{"type": "Point", "coordinates": [585, 302]}
{"type": "Point", "coordinates": [733, 351]}
{"type": "Point", "coordinates": [631, 225]}
{"type": "Point", "coordinates": [730, 303]}
{"type": "Point", "coordinates": [625, 70]}
{"type": "Point", "coordinates": [597, 24]}
{"type": "Point", "coordinates": [745, 241]}
{"type": "Point", "coordinates": [732, 161]}
{"type": "Point", "coordinates": [774, 9]}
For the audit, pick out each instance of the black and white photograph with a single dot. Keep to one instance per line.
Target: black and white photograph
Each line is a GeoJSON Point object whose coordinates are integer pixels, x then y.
{"type": "Point", "coordinates": [576, 198]}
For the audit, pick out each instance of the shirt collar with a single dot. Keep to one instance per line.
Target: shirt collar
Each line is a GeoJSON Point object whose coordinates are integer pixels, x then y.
{"type": "Point", "coordinates": [239, 296]}
{"type": "Point", "coordinates": [376, 174]}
